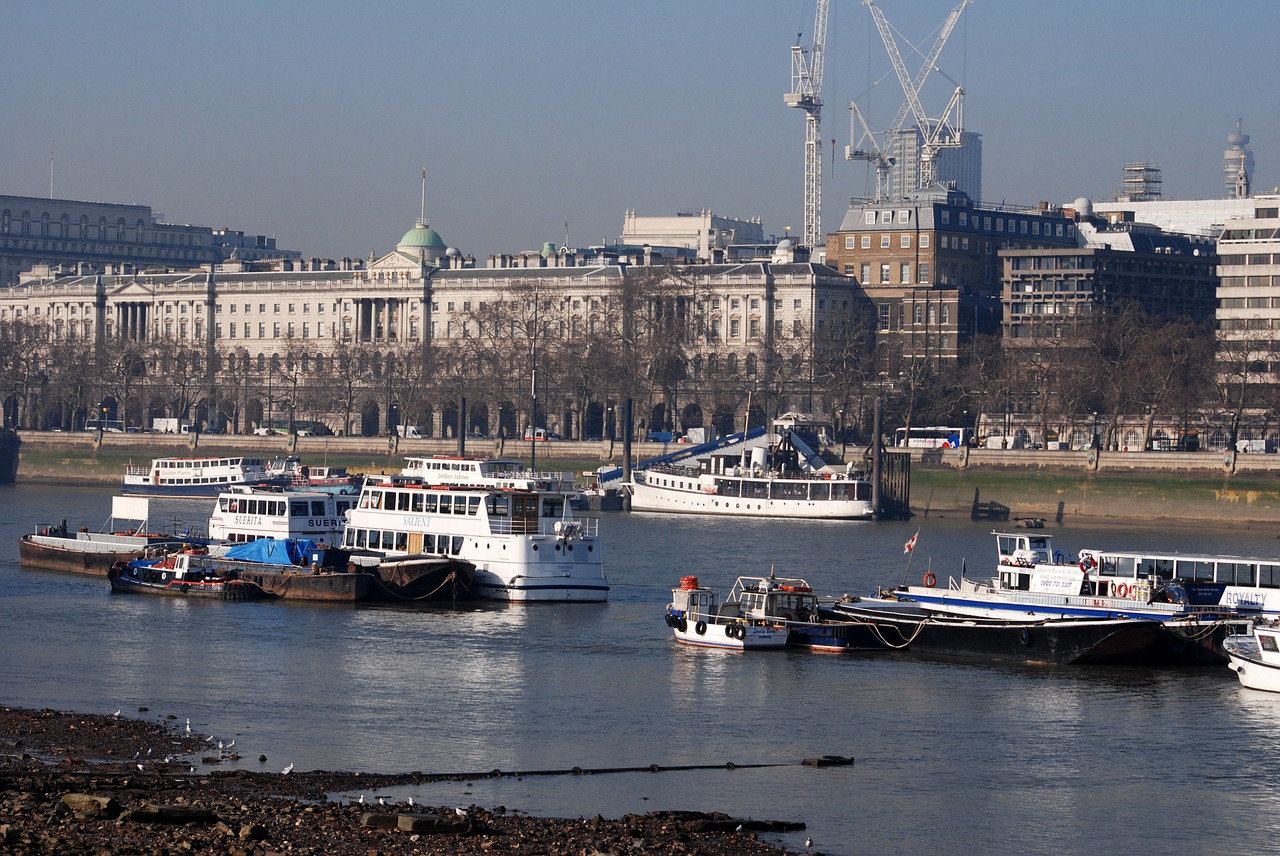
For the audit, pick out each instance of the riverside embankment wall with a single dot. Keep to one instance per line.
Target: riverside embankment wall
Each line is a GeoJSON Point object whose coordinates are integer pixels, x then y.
{"type": "Point", "coordinates": [1203, 487]}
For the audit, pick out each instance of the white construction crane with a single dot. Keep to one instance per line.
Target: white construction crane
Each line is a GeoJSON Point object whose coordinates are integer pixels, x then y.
{"type": "Point", "coordinates": [865, 147]}
{"type": "Point", "coordinates": [806, 94]}
{"type": "Point", "coordinates": [935, 134]}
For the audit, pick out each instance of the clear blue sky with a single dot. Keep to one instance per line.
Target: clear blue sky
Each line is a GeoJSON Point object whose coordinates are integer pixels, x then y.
{"type": "Point", "coordinates": [313, 120]}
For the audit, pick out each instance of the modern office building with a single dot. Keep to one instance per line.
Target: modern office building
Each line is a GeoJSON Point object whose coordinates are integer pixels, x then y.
{"type": "Point", "coordinates": [38, 231]}
{"type": "Point", "coordinates": [1249, 293]}
{"type": "Point", "coordinates": [959, 167]}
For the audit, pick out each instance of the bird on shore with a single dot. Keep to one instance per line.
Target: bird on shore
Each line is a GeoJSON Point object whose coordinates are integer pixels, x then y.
{"type": "Point", "coordinates": [808, 844]}
{"type": "Point", "coordinates": [287, 770]}
{"type": "Point", "coordinates": [410, 800]}
{"type": "Point", "coordinates": [116, 714]}
{"type": "Point", "coordinates": [382, 801]}
{"type": "Point", "coordinates": [232, 743]}
{"type": "Point", "coordinates": [361, 800]}
{"type": "Point", "coordinates": [739, 829]}
{"type": "Point", "coordinates": [139, 768]}
{"type": "Point", "coordinates": [460, 811]}
{"type": "Point", "coordinates": [188, 726]}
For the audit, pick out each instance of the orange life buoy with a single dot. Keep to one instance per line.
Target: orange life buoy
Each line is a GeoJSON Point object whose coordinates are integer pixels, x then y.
{"type": "Point", "coordinates": [930, 580]}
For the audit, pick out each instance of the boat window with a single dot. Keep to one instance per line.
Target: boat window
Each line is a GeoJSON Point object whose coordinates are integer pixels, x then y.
{"type": "Point", "coordinates": [317, 508]}
{"type": "Point", "coordinates": [499, 506]}
{"type": "Point", "coordinates": [446, 505]}
{"type": "Point", "coordinates": [473, 505]}
{"type": "Point", "coordinates": [456, 545]}
{"type": "Point", "coordinates": [298, 509]}
{"type": "Point", "coordinates": [223, 502]}
{"type": "Point", "coordinates": [429, 503]}
{"type": "Point", "coordinates": [1149, 566]}
{"type": "Point", "coordinates": [388, 540]}
{"type": "Point", "coordinates": [1269, 576]}
{"type": "Point", "coordinates": [417, 502]}
{"type": "Point", "coordinates": [1268, 643]}
{"type": "Point", "coordinates": [1191, 569]}
{"type": "Point", "coordinates": [360, 535]}
{"type": "Point", "coordinates": [1237, 573]}
{"type": "Point", "coordinates": [552, 507]}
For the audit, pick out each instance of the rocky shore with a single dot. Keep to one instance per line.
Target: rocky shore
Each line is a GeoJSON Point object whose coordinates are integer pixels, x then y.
{"type": "Point", "coordinates": [89, 784]}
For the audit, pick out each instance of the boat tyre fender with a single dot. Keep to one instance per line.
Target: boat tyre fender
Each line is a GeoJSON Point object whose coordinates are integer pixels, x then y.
{"type": "Point", "coordinates": [185, 588]}
{"type": "Point", "coordinates": [681, 624]}
{"type": "Point", "coordinates": [730, 630]}
{"type": "Point", "coordinates": [671, 622]}
{"type": "Point", "coordinates": [742, 631]}
{"type": "Point", "coordinates": [700, 628]}
{"type": "Point", "coordinates": [1026, 638]}
{"type": "Point", "coordinates": [930, 580]}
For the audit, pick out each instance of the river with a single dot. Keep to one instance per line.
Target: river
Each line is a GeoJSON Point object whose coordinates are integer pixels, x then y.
{"type": "Point", "coordinates": [985, 758]}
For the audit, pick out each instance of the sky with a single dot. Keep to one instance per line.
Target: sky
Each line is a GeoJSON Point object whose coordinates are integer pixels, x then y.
{"type": "Point", "coordinates": [312, 121]}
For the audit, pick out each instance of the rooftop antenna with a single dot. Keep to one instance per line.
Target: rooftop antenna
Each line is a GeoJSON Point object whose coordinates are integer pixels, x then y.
{"type": "Point", "coordinates": [51, 147]}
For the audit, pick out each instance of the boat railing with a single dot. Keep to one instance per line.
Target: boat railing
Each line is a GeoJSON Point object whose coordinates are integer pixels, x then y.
{"type": "Point", "coordinates": [137, 470]}
{"type": "Point", "coordinates": [577, 527]}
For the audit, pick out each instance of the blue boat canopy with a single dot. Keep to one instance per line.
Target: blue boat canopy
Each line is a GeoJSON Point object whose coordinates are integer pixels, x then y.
{"type": "Point", "coordinates": [274, 551]}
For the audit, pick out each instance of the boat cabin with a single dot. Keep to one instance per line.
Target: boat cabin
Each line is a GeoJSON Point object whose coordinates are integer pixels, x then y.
{"type": "Point", "coordinates": [774, 598]}
{"type": "Point", "coordinates": [247, 514]}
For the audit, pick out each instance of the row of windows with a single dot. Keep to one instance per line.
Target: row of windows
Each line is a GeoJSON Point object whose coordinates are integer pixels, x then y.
{"type": "Point", "coordinates": [988, 223]}
{"type": "Point", "coordinates": [1250, 281]}
{"type": "Point", "coordinates": [919, 312]}
{"type": "Point", "coordinates": [886, 273]}
{"type": "Point", "coordinates": [1250, 302]}
{"type": "Point", "coordinates": [64, 229]}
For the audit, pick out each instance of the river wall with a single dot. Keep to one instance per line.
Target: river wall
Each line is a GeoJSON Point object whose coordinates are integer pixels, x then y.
{"type": "Point", "coordinates": [1061, 487]}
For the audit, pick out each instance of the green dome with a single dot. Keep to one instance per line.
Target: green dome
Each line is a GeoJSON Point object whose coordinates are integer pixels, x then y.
{"type": "Point", "coordinates": [422, 236]}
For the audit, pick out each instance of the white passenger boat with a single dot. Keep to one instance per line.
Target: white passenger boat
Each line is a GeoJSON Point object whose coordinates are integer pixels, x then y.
{"type": "Point", "coordinates": [247, 514]}
{"type": "Point", "coordinates": [486, 472]}
{"type": "Point", "coordinates": [527, 545]}
{"type": "Point", "coordinates": [697, 617]}
{"type": "Point", "coordinates": [197, 476]}
{"type": "Point", "coordinates": [1255, 657]}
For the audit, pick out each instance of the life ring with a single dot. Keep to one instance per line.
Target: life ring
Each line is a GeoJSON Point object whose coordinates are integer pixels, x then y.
{"type": "Point", "coordinates": [1088, 563]}
{"type": "Point", "coordinates": [930, 580]}
{"type": "Point", "coordinates": [700, 628]}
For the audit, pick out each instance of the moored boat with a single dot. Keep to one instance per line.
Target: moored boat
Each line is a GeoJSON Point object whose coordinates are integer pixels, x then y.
{"type": "Point", "coordinates": [421, 579]}
{"type": "Point", "coordinates": [1255, 657]}
{"type": "Point", "coordinates": [912, 627]}
{"type": "Point", "coordinates": [181, 477]}
{"type": "Point", "coordinates": [125, 537]}
{"type": "Point", "coordinates": [527, 546]}
{"type": "Point", "coordinates": [697, 617]}
{"type": "Point", "coordinates": [175, 576]}
{"type": "Point", "coordinates": [248, 513]}
{"type": "Point", "coordinates": [782, 479]}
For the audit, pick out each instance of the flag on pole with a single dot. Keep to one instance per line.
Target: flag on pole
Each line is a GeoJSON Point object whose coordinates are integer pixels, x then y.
{"type": "Point", "coordinates": [911, 543]}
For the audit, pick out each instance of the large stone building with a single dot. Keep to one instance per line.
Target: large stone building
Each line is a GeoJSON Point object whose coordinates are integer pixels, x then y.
{"type": "Point", "coordinates": [404, 338]}
{"type": "Point", "coordinates": [1249, 294]}
{"type": "Point", "coordinates": [929, 263]}
{"type": "Point", "coordinates": [37, 231]}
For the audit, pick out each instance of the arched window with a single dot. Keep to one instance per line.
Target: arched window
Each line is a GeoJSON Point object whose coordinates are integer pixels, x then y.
{"type": "Point", "coordinates": [102, 228]}
{"type": "Point", "coordinates": [84, 227]}
{"type": "Point", "coordinates": [66, 227]}
{"type": "Point", "coordinates": [320, 364]}
{"type": "Point", "coordinates": [731, 364]}
{"type": "Point", "coordinates": [5, 221]}
{"type": "Point", "coordinates": [751, 365]}
{"type": "Point", "coordinates": [121, 232]}
{"type": "Point", "coordinates": [262, 362]}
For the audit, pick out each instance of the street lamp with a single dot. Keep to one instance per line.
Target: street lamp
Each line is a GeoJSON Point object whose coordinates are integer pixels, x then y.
{"type": "Point", "coordinates": [1097, 441]}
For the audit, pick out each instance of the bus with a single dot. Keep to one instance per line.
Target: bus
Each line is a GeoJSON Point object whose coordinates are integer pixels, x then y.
{"type": "Point", "coordinates": [933, 437]}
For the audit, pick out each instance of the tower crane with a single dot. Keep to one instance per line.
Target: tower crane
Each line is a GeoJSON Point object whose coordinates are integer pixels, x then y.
{"type": "Point", "coordinates": [865, 147]}
{"type": "Point", "coordinates": [935, 134]}
{"type": "Point", "coordinates": [806, 95]}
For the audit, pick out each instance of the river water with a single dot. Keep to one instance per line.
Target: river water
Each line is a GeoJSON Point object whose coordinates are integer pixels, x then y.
{"type": "Point", "coordinates": [987, 758]}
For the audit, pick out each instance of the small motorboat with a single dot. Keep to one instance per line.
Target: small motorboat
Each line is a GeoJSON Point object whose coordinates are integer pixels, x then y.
{"type": "Point", "coordinates": [181, 574]}
{"type": "Point", "coordinates": [697, 617]}
{"type": "Point", "coordinates": [1255, 657]}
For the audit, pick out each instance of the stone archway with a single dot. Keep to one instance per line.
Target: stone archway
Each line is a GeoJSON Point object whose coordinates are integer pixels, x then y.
{"type": "Point", "coordinates": [369, 419]}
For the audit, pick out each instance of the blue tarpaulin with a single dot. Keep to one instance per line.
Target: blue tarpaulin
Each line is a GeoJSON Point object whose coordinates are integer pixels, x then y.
{"type": "Point", "coordinates": [274, 551]}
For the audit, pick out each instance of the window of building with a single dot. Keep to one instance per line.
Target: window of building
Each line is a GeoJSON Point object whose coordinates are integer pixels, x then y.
{"type": "Point", "coordinates": [886, 216]}
{"type": "Point", "coordinates": [946, 314]}
{"type": "Point", "coordinates": [795, 304]}
{"type": "Point", "coordinates": [885, 241]}
{"type": "Point", "coordinates": [850, 242]}
{"type": "Point", "coordinates": [986, 224]}
{"type": "Point", "coordinates": [904, 272]}
{"type": "Point", "coordinates": [885, 317]}
{"type": "Point", "coordinates": [262, 331]}
{"type": "Point", "coordinates": [866, 242]}
{"type": "Point", "coordinates": [924, 241]}
{"type": "Point", "coordinates": [924, 272]}
{"type": "Point", "coordinates": [869, 218]}
{"type": "Point", "coordinates": [754, 328]}
{"type": "Point", "coordinates": [884, 272]}
{"type": "Point", "coordinates": [755, 303]}
{"type": "Point", "coordinates": [275, 330]}
{"type": "Point", "coordinates": [964, 218]}
{"type": "Point", "coordinates": [733, 328]}
{"type": "Point", "coordinates": [904, 216]}
{"type": "Point", "coordinates": [866, 273]}
{"type": "Point", "coordinates": [946, 217]}
{"type": "Point", "coordinates": [905, 242]}
{"type": "Point", "coordinates": [734, 303]}
{"type": "Point", "coordinates": [918, 314]}
{"type": "Point", "coordinates": [964, 244]}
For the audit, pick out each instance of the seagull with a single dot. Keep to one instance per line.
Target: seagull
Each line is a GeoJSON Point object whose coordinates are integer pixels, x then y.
{"type": "Point", "coordinates": [808, 844]}
{"type": "Point", "coordinates": [287, 770]}
{"type": "Point", "coordinates": [361, 800]}
{"type": "Point", "coordinates": [209, 739]}
{"type": "Point", "coordinates": [116, 714]}
{"type": "Point", "coordinates": [410, 800]}
{"type": "Point", "coordinates": [232, 743]}
{"type": "Point", "coordinates": [139, 768]}
{"type": "Point", "coordinates": [148, 750]}
{"type": "Point", "coordinates": [219, 745]}
{"type": "Point", "coordinates": [382, 801]}
{"type": "Point", "coordinates": [188, 726]}
{"type": "Point", "coordinates": [460, 811]}
{"type": "Point", "coordinates": [739, 829]}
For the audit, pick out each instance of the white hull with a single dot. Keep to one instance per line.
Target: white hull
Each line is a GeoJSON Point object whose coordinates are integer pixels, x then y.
{"type": "Point", "coordinates": [713, 635]}
{"type": "Point", "coordinates": [1255, 674]}
{"type": "Point", "coordinates": [647, 497]}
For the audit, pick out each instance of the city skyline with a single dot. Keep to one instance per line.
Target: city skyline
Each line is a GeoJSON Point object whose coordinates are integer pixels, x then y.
{"type": "Point", "coordinates": [312, 122]}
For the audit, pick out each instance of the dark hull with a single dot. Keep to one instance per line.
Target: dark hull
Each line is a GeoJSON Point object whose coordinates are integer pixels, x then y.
{"type": "Point", "coordinates": [130, 580]}
{"type": "Point", "coordinates": [836, 635]}
{"type": "Point", "coordinates": [1057, 642]}
{"type": "Point", "coordinates": [291, 584]}
{"type": "Point", "coordinates": [33, 555]}
{"type": "Point", "coordinates": [429, 579]}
